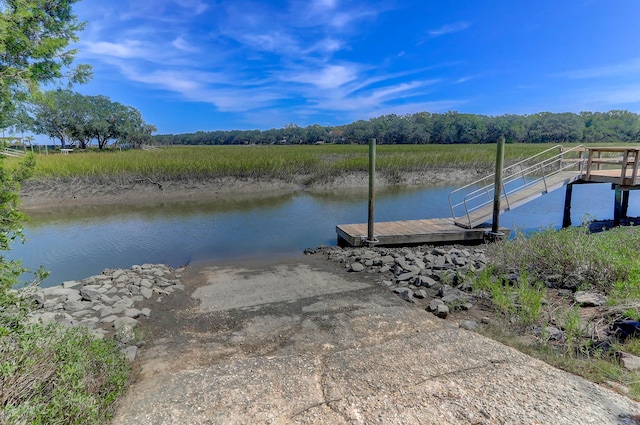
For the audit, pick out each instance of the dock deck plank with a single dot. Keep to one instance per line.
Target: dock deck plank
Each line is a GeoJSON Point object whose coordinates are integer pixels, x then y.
{"type": "Point", "coordinates": [409, 232]}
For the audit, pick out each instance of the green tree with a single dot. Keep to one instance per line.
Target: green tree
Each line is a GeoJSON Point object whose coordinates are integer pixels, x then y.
{"type": "Point", "coordinates": [62, 115]}
{"type": "Point", "coordinates": [34, 40]}
{"type": "Point", "coordinates": [133, 130]}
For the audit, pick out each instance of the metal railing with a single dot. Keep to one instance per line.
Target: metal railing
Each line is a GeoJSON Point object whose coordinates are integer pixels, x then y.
{"type": "Point", "coordinates": [516, 178]}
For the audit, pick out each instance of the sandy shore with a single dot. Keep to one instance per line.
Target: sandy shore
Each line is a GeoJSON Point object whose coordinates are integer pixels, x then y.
{"type": "Point", "coordinates": [69, 192]}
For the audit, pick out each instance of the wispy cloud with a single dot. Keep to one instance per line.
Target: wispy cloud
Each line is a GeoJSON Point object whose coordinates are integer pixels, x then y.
{"type": "Point", "coordinates": [181, 44]}
{"type": "Point", "coordinates": [330, 77]}
{"type": "Point", "coordinates": [449, 29]}
{"type": "Point", "coordinates": [255, 58]}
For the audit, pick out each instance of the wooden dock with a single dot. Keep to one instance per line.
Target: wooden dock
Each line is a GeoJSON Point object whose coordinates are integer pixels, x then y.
{"type": "Point", "coordinates": [615, 165]}
{"type": "Point", "coordinates": [413, 232]}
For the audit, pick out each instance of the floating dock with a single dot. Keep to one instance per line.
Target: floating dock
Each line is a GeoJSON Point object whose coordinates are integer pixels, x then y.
{"type": "Point", "coordinates": [472, 205]}
{"type": "Point", "coordinates": [413, 232]}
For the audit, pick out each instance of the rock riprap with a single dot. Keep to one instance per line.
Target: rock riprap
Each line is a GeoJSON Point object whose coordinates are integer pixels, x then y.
{"type": "Point", "coordinates": [409, 272]}
{"type": "Point", "coordinates": [108, 304]}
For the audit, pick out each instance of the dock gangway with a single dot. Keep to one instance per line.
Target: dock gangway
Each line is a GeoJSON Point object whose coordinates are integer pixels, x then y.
{"type": "Point", "coordinates": [472, 204]}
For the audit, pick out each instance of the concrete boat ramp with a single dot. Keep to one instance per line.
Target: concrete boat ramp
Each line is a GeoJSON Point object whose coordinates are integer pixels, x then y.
{"type": "Point", "coordinates": [301, 341]}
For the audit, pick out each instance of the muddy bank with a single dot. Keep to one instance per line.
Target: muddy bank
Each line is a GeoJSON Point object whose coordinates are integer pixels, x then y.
{"type": "Point", "coordinates": [118, 190]}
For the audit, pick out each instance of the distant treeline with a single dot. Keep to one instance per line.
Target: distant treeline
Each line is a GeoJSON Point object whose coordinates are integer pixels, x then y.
{"type": "Point", "coordinates": [447, 128]}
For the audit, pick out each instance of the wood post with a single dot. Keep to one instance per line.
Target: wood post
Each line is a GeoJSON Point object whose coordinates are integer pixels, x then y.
{"type": "Point", "coordinates": [566, 218]}
{"type": "Point", "coordinates": [625, 204]}
{"type": "Point", "coordinates": [497, 189]}
{"type": "Point", "coordinates": [617, 206]}
{"type": "Point", "coordinates": [372, 193]}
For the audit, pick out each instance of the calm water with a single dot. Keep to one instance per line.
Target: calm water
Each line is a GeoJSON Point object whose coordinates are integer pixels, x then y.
{"type": "Point", "coordinates": [80, 242]}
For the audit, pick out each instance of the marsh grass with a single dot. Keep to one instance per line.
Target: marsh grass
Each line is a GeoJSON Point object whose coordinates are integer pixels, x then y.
{"type": "Point", "coordinates": [191, 162]}
{"type": "Point", "coordinates": [51, 374]}
{"type": "Point", "coordinates": [610, 263]}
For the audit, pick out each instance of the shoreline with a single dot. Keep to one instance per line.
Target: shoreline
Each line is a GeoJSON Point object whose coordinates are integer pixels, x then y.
{"type": "Point", "coordinates": [39, 194]}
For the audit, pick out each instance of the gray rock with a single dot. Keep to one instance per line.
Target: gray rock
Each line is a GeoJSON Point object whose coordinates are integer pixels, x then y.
{"type": "Point", "coordinates": [121, 322]}
{"type": "Point", "coordinates": [131, 352]}
{"type": "Point", "coordinates": [73, 306]}
{"type": "Point", "coordinates": [52, 305]}
{"type": "Point", "coordinates": [81, 313]}
{"type": "Point", "coordinates": [433, 305]}
{"type": "Point", "coordinates": [109, 319]}
{"type": "Point", "coordinates": [442, 311]}
{"type": "Point", "coordinates": [405, 293]}
{"type": "Point", "coordinates": [420, 293]}
{"type": "Point", "coordinates": [589, 299]}
{"type": "Point", "coordinates": [57, 291]}
{"type": "Point", "coordinates": [549, 332]}
{"type": "Point", "coordinates": [74, 295]}
{"type": "Point", "coordinates": [44, 318]}
{"type": "Point", "coordinates": [70, 284]}
{"type": "Point", "coordinates": [38, 298]}
{"type": "Point", "coordinates": [470, 325]}
{"type": "Point", "coordinates": [133, 289]}
{"type": "Point", "coordinates": [145, 312]}
{"type": "Point", "coordinates": [146, 283]}
{"type": "Point", "coordinates": [162, 282]}
{"type": "Point", "coordinates": [90, 293]}
{"type": "Point", "coordinates": [123, 303]}
{"type": "Point", "coordinates": [425, 281]}
{"type": "Point", "coordinates": [453, 296]}
{"type": "Point", "coordinates": [629, 361]}
{"type": "Point", "coordinates": [132, 312]}
{"type": "Point", "coordinates": [419, 263]}
{"type": "Point", "coordinates": [459, 261]}
{"type": "Point", "coordinates": [438, 251]}
{"type": "Point", "coordinates": [406, 276]}
{"type": "Point", "coordinates": [384, 269]}
{"type": "Point", "coordinates": [356, 267]}
{"type": "Point", "coordinates": [146, 292]}
{"type": "Point", "coordinates": [572, 281]}
{"type": "Point", "coordinates": [106, 311]}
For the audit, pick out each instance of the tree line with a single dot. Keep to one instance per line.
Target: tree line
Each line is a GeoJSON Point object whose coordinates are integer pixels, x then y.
{"type": "Point", "coordinates": [445, 128]}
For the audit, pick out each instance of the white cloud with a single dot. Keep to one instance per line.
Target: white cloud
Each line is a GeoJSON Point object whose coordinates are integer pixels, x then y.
{"type": "Point", "coordinates": [330, 77]}
{"type": "Point", "coordinates": [126, 49]}
{"type": "Point", "coordinates": [181, 44]}
{"type": "Point", "coordinates": [449, 29]}
{"type": "Point", "coordinates": [276, 42]}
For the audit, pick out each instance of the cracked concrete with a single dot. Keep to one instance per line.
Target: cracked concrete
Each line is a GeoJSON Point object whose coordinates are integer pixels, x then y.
{"type": "Point", "coordinates": [304, 342]}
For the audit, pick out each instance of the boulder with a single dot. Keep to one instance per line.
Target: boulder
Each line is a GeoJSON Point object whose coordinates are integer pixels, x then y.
{"type": "Point", "coordinates": [356, 267]}
{"type": "Point", "coordinates": [405, 293]}
{"type": "Point", "coordinates": [425, 281]}
{"type": "Point", "coordinates": [629, 361]}
{"type": "Point", "coordinates": [589, 299]}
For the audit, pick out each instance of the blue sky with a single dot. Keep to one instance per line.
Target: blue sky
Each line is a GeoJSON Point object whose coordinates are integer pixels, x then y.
{"type": "Point", "coordinates": [192, 65]}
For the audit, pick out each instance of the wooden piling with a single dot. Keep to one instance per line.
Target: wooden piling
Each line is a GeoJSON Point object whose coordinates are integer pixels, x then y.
{"type": "Point", "coordinates": [617, 206]}
{"type": "Point", "coordinates": [372, 192]}
{"type": "Point", "coordinates": [497, 189]}
{"type": "Point", "coordinates": [566, 218]}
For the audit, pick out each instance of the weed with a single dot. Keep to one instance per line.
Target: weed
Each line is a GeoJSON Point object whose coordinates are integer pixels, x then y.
{"type": "Point", "coordinates": [50, 374]}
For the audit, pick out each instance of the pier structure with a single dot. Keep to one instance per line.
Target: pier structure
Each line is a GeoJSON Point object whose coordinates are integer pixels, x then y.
{"type": "Point", "coordinates": [472, 206]}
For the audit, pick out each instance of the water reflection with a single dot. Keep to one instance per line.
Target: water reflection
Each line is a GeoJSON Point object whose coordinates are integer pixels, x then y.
{"type": "Point", "coordinates": [77, 242]}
